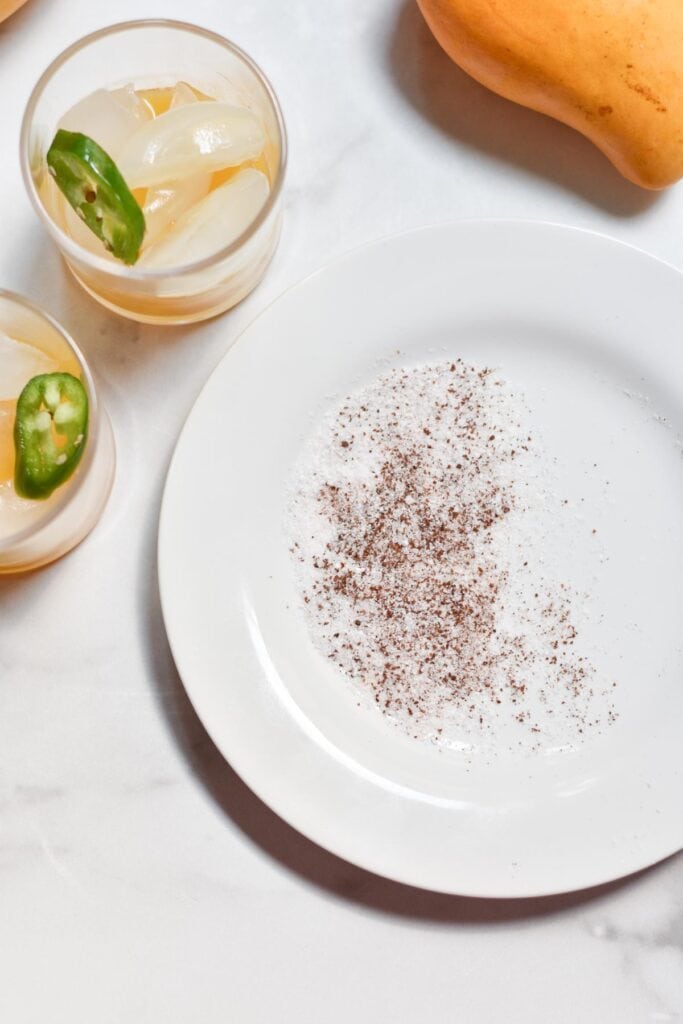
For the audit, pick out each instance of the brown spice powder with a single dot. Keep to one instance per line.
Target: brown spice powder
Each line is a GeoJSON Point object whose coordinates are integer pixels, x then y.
{"type": "Point", "coordinates": [409, 587]}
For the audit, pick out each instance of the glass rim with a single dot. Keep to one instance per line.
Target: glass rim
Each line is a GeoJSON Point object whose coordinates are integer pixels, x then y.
{"type": "Point", "coordinates": [118, 269]}
{"type": "Point", "coordinates": [94, 413]}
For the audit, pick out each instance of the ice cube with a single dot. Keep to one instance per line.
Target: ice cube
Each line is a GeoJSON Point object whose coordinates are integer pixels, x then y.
{"type": "Point", "coordinates": [194, 138]}
{"type": "Point", "coordinates": [108, 117]}
{"type": "Point", "coordinates": [130, 100]}
{"type": "Point", "coordinates": [51, 196]}
{"type": "Point", "coordinates": [17, 513]}
{"type": "Point", "coordinates": [183, 94]}
{"type": "Point", "coordinates": [18, 363]}
{"type": "Point", "coordinates": [167, 203]}
{"type": "Point", "coordinates": [216, 221]}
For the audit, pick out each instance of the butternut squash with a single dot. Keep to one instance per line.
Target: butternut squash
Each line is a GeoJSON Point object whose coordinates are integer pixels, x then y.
{"type": "Point", "coordinates": [612, 69]}
{"type": "Point", "coordinates": [8, 7]}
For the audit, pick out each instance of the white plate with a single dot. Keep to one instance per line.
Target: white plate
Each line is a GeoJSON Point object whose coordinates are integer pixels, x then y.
{"type": "Point", "coordinates": [590, 329]}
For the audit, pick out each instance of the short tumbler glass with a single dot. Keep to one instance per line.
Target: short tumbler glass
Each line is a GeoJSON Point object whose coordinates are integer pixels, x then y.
{"type": "Point", "coordinates": [33, 533]}
{"type": "Point", "coordinates": [148, 54]}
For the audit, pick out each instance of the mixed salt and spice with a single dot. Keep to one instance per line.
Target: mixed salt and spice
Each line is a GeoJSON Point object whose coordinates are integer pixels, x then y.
{"type": "Point", "coordinates": [411, 524]}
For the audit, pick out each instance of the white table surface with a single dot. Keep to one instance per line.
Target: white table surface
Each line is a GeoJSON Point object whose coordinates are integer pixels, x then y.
{"type": "Point", "coordinates": [140, 880]}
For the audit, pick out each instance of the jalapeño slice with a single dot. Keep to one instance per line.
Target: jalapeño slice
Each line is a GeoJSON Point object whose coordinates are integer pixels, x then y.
{"type": "Point", "coordinates": [93, 185]}
{"type": "Point", "coordinates": [50, 432]}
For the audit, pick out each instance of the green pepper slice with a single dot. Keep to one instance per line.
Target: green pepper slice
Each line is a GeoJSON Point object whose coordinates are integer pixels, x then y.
{"type": "Point", "coordinates": [50, 432]}
{"type": "Point", "coordinates": [94, 186]}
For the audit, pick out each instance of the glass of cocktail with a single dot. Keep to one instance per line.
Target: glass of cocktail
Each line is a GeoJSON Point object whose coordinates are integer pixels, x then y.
{"type": "Point", "coordinates": [57, 454]}
{"type": "Point", "coordinates": [154, 152]}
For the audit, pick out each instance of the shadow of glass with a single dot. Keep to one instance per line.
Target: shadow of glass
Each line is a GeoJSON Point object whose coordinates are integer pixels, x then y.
{"type": "Point", "coordinates": [475, 117]}
{"type": "Point", "coordinates": [117, 346]}
{"type": "Point", "coordinates": [289, 848]}
{"type": "Point", "coordinates": [122, 353]}
{"type": "Point", "coordinates": [18, 590]}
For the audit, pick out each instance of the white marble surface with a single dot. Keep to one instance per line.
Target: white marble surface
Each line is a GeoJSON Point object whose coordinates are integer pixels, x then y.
{"type": "Point", "coordinates": [140, 881]}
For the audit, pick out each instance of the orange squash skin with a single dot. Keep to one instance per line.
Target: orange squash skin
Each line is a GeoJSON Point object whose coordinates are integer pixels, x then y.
{"type": "Point", "coordinates": [612, 69]}
{"type": "Point", "coordinates": [8, 7]}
